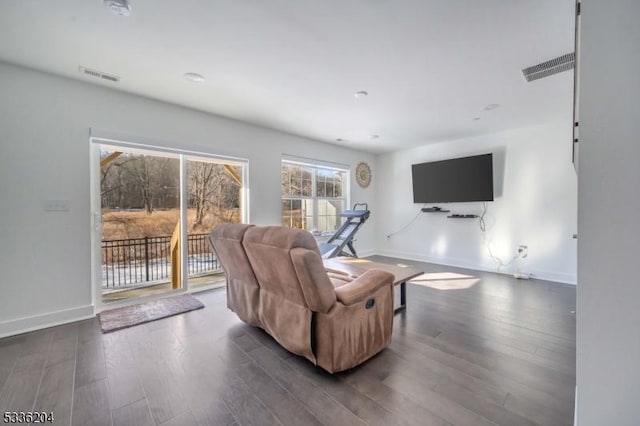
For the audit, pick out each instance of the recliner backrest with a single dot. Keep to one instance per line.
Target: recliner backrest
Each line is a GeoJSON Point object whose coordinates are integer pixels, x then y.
{"type": "Point", "coordinates": [287, 262]}
{"type": "Point", "coordinates": [243, 290]}
{"type": "Point", "coordinates": [293, 284]}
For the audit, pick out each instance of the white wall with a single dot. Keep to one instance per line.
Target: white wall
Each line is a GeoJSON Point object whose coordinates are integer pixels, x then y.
{"type": "Point", "coordinates": [44, 155]}
{"type": "Point", "coordinates": [608, 340]}
{"type": "Point", "coordinates": [535, 204]}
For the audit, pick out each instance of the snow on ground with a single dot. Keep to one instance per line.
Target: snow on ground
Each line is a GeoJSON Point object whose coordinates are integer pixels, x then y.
{"type": "Point", "coordinates": [126, 275]}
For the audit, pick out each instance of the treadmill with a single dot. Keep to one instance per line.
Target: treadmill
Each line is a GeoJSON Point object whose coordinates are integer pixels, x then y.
{"type": "Point", "coordinates": [343, 237]}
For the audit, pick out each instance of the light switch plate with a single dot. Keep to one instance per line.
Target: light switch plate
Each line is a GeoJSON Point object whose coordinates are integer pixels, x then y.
{"type": "Point", "coordinates": [56, 206]}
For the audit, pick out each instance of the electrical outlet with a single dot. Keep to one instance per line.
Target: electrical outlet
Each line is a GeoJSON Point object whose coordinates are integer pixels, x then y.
{"type": "Point", "coordinates": [56, 206]}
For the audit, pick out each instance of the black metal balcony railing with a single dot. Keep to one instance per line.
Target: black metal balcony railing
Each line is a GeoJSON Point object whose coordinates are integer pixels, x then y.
{"type": "Point", "coordinates": [143, 260]}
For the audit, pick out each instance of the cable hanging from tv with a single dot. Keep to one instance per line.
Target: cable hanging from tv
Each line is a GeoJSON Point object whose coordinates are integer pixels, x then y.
{"type": "Point", "coordinates": [483, 229]}
{"type": "Point", "coordinates": [408, 224]}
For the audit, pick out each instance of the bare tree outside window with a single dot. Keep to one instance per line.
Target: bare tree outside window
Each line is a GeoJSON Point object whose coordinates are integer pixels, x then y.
{"type": "Point", "coordinates": [213, 192]}
{"type": "Point", "coordinates": [140, 201]}
{"type": "Point", "coordinates": [135, 186]}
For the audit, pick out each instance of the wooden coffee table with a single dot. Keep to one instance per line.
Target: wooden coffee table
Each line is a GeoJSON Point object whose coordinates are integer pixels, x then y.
{"type": "Point", "coordinates": [356, 267]}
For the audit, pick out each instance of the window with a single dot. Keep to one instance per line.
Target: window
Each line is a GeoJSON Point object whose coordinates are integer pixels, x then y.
{"type": "Point", "coordinates": [313, 197]}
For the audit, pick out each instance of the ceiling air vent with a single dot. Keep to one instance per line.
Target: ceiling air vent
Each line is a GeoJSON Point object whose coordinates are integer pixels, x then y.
{"type": "Point", "coordinates": [554, 66]}
{"type": "Point", "coordinates": [99, 74]}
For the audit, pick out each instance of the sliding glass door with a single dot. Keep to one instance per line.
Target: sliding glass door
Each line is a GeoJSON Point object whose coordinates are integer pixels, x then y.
{"type": "Point", "coordinates": [214, 196]}
{"type": "Point", "coordinates": [140, 215]}
{"type": "Point", "coordinates": [152, 213]}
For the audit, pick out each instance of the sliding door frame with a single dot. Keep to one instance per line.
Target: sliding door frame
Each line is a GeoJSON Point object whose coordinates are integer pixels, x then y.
{"type": "Point", "coordinates": [96, 214]}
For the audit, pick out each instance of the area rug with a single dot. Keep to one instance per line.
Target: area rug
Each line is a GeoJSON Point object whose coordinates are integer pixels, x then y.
{"type": "Point", "coordinates": [117, 319]}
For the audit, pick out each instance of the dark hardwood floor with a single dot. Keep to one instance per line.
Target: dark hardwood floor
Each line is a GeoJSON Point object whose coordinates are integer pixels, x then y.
{"type": "Point", "coordinates": [472, 348]}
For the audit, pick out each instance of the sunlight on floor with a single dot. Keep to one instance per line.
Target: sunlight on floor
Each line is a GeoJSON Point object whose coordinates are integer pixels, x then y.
{"type": "Point", "coordinates": [445, 281]}
{"type": "Point", "coordinates": [355, 260]}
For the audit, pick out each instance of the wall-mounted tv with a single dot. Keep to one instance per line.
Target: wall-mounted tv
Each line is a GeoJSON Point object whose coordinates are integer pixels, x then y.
{"type": "Point", "coordinates": [454, 181]}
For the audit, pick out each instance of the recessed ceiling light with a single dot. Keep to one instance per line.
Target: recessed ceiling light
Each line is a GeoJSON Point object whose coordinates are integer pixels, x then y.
{"type": "Point", "coordinates": [491, 107]}
{"type": "Point", "coordinates": [375, 136]}
{"type": "Point", "coordinates": [119, 7]}
{"type": "Point", "coordinates": [339, 140]}
{"type": "Point", "coordinates": [361, 94]}
{"type": "Point", "coordinates": [194, 77]}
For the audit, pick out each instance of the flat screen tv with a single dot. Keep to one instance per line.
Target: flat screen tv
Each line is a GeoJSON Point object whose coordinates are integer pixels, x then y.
{"type": "Point", "coordinates": [454, 181]}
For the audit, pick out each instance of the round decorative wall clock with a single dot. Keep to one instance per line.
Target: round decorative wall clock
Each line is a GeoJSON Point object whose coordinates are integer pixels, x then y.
{"type": "Point", "coordinates": [363, 174]}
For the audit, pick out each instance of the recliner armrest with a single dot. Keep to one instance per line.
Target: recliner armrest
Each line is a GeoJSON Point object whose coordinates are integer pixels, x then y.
{"type": "Point", "coordinates": [337, 271]}
{"type": "Point", "coordinates": [363, 286]}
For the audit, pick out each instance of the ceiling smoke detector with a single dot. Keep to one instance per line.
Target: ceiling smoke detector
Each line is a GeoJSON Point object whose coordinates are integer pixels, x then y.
{"type": "Point", "coordinates": [119, 7]}
{"type": "Point", "coordinates": [361, 94]}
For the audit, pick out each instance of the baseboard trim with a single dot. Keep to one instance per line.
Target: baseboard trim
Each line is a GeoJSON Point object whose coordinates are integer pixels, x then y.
{"type": "Point", "coordinates": [557, 277]}
{"type": "Point", "coordinates": [51, 319]}
{"type": "Point", "coordinates": [366, 253]}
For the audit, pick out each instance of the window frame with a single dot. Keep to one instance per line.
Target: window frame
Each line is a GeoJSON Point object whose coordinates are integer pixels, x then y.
{"type": "Point", "coordinates": [316, 165]}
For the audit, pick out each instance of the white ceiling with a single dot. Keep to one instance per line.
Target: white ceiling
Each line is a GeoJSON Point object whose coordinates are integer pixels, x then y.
{"type": "Point", "coordinates": [430, 66]}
